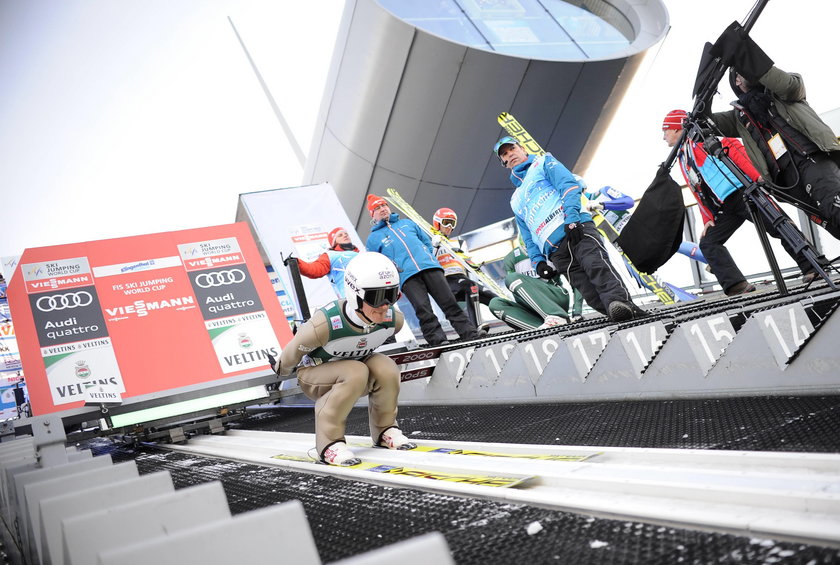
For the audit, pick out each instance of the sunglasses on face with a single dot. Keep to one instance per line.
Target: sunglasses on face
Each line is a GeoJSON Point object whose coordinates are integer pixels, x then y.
{"type": "Point", "coordinates": [377, 297]}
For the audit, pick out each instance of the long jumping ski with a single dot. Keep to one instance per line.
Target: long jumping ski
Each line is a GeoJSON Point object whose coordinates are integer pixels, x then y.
{"type": "Point", "coordinates": [571, 458]}
{"type": "Point", "coordinates": [503, 481]}
{"type": "Point", "coordinates": [665, 292]}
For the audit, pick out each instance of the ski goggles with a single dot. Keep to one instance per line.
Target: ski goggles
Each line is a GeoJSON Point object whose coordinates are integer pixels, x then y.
{"type": "Point", "coordinates": [377, 297]}
{"type": "Point", "coordinates": [448, 222]}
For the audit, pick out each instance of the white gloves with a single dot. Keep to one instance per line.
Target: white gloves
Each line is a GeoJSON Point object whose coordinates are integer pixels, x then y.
{"type": "Point", "coordinates": [436, 239]}
{"type": "Point", "coordinates": [592, 206]}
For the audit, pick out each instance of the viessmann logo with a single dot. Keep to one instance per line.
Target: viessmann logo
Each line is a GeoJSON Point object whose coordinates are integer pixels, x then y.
{"type": "Point", "coordinates": [142, 308]}
{"type": "Point", "coordinates": [220, 278]}
{"type": "Point", "coordinates": [64, 301]}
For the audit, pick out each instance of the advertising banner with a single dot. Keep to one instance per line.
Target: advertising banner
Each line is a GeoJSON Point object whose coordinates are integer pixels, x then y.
{"type": "Point", "coordinates": [8, 405]}
{"type": "Point", "coordinates": [5, 314]}
{"type": "Point", "coordinates": [70, 327]}
{"type": "Point", "coordinates": [143, 314]}
{"type": "Point", "coordinates": [309, 241]}
{"type": "Point", "coordinates": [9, 354]}
{"type": "Point", "coordinates": [234, 316]}
{"type": "Point", "coordinates": [296, 221]}
{"type": "Point", "coordinates": [282, 294]}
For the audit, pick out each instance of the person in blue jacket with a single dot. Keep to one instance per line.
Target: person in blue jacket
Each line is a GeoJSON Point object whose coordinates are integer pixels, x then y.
{"type": "Point", "coordinates": [421, 275]}
{"type": "Point", "coordinates": [547, 206]}
{"type": "Point", "coordinates": [333, 262]}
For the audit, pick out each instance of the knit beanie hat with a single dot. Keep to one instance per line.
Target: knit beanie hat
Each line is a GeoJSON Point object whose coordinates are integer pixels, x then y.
{"type": "Point", "coordinates": [674, 120]}
{"type": "Point", "coordinates": [331, 236]}
{"type": "Point", "coordinates": [373, 201]}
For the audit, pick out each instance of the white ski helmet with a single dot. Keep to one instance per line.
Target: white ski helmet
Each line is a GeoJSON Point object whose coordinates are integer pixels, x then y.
{"type": "Point", "coordinates": [373, 278]}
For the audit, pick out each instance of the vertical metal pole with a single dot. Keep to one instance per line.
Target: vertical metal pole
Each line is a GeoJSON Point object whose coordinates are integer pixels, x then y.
{"type": "Point", "coordinates": [761, 230]}
{"type": "Point", "coordinates": [294, 274]}
{"type": "Point", "coordinates": [283, 124]}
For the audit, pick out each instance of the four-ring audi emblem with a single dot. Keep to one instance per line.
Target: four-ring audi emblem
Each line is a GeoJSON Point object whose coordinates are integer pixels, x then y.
{"type": "Point", "coordinates": [220, 278]}
{"type": "Point", "coordinates": [64, 301]}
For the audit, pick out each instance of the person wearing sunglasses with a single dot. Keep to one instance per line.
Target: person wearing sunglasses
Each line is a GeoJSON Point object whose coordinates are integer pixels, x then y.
{"type": "Point", "coordinates": [334, 357]}
{"type": "Point", "coordinates": [464, 288]}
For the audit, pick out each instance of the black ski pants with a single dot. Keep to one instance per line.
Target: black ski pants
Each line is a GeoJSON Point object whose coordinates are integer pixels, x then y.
{"type": "Point", "coordinates": [418, 288]}
{"type": "Point", "coordinates": [587, 267]}
{"type": "Point", "coordinates": [732, 216]}
{"type": "Point", "coordinates": [819, 177]}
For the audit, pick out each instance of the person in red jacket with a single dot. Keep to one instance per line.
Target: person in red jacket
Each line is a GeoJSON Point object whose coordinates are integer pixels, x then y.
{"type": "Point", "coordinates": [720, 203]}
{"type": "Point", "coordinates": [332, 263]}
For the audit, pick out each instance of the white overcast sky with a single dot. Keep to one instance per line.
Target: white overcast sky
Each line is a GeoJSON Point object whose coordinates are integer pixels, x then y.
{"type": "Point", "coordinates": [124, 117]}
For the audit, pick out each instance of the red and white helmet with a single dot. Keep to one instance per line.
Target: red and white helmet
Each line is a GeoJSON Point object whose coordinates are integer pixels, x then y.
{"type": "Point", "coordinates": [445, 217]}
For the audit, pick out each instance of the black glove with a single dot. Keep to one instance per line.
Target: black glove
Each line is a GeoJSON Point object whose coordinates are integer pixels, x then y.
{"type": "Point", "coordinates": [736, 49]}
{"type": "Point", "coordinates": [545, 271]}
{"type": "Point", "coordinates": [574, 233]}
{"type": "Point", "coordinates": [287, 259]}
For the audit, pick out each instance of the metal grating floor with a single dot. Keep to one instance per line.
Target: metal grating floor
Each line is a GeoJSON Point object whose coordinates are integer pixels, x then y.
{"type": "Point", "coordinates": [349, 518]}
{"type": "Point", "coordinates": [753, 424]}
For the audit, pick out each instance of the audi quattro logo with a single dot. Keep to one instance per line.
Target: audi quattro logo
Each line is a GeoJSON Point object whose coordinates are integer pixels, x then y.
{"type": "Point", "coordinates": [64, 301]}
{"type": "Point", "coordinates": [220, 278]}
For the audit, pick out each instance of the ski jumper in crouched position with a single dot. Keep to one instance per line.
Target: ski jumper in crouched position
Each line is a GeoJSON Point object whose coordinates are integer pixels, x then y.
{"type": "Point", "coordinates": [333, 353]}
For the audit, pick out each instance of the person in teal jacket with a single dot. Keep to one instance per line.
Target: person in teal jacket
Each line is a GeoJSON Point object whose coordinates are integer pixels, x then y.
{"type": "Point", "coordinates": [547, 206]}
{"type": "Point", "coordinates": [404, 243]}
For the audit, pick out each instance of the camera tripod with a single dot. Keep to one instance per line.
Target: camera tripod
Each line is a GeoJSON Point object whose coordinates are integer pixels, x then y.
{"type": "Point", "coordinates": [762, 208]}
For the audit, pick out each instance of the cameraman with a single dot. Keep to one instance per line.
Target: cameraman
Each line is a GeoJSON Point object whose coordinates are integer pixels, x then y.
{"type": "Point", "coordinates": [721, 206]}
{"type": "Point", "coordinates": [792, 148]}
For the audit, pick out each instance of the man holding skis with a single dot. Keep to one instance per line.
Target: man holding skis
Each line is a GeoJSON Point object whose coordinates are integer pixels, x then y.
{"type": "Point", "coordinates": [444, 221]}
{"type": "Point", "coordinates": [402, 241]}
{"type": "Point", "coordinates": [547, 206]}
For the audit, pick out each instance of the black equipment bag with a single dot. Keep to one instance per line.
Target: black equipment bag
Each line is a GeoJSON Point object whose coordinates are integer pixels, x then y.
{"type": "Point", "coordinates": [655, 230]}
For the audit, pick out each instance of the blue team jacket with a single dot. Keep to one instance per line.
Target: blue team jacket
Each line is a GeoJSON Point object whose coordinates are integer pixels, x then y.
{"type": "Point", "coordinates": [404, 243]}
{"type": "Point", "coordinates": [547, 196]}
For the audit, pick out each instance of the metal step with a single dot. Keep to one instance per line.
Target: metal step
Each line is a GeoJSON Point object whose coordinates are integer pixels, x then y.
{"type": "Point", "coordinates": [763, 344]}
